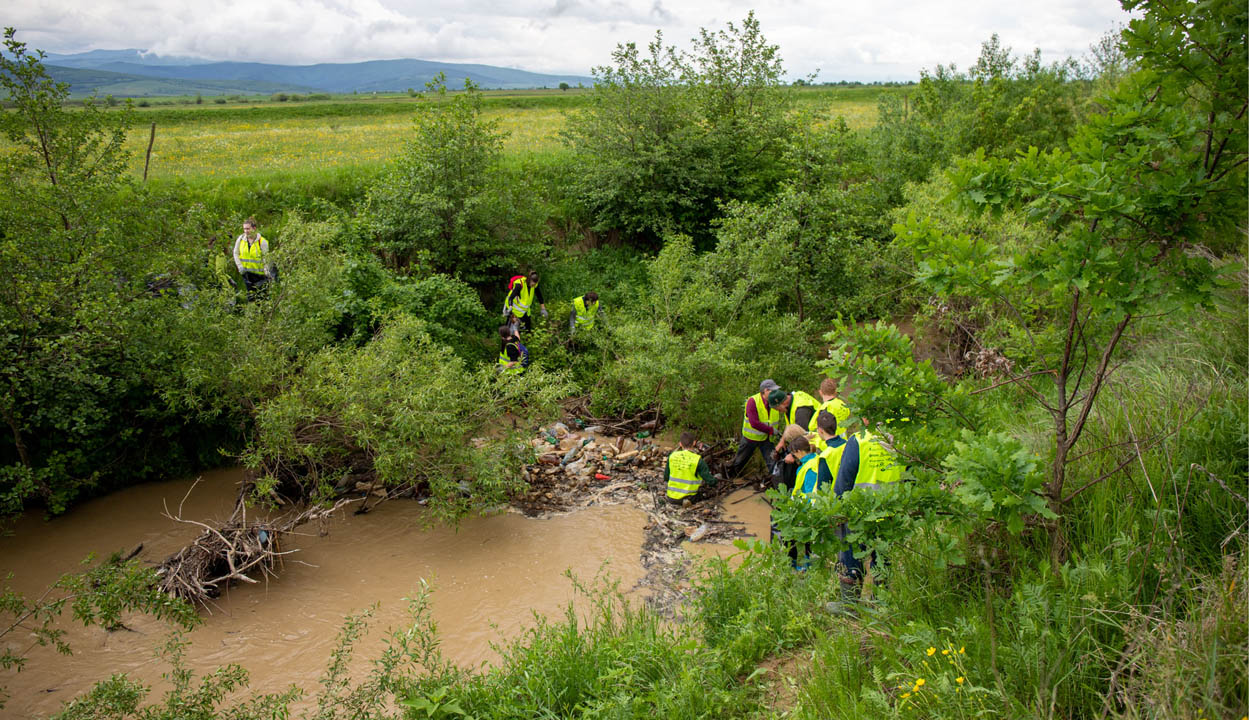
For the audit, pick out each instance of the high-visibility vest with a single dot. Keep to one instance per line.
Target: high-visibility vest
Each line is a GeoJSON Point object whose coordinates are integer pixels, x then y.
{"type": "Point", "coordinates": [683, 474]}
{"type": "Point", "coordinates": [800, 399]}
{"type": "Point", "coordinates": [585, 315]}
{"type": "Point", "coordinates": [836, 408]}
{"type": "Point", "coordinates": [504, 360]}
{"type": "Point", "coordinates": [249, 255]}
{"type": "Point", "coordinates": [836, 442]}
{"type": "Point", "coordinates": [878, 466]}
{"type": "Point", "coordinates": [806, 481]}
{"type": "Point", "coordinates": [522, 298]}
{"type": "Point", "coordinates": [769, 416]}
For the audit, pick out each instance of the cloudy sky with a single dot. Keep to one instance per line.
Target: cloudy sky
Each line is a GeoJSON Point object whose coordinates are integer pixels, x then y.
{"type": "Point", "coordinates": [875, 40]}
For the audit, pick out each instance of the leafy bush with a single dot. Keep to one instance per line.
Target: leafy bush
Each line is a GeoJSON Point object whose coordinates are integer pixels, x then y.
{"type": "Point", "coordinates": [445, 205]}
{"type": "Point", "coordinates": [667, 135]}
{"type": "Point", "coordinates": [400, 410]}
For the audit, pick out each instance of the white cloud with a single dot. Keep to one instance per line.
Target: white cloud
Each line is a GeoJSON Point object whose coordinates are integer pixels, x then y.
{"type": "Point", "coordinates": [885, 39]}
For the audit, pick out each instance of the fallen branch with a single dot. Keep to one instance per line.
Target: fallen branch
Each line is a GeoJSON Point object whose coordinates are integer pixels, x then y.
{"type": "Point", "coordinates": [234, 550]}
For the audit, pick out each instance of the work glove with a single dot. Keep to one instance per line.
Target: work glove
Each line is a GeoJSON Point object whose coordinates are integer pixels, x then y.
{"type": "Point", "coordinates": [544, 312]}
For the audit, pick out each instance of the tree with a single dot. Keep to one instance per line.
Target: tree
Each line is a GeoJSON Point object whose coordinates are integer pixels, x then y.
{"type": "Point", "coordinates": [447, 204]}
{"type": "Point", "coordinates": [1002, 103]}
{"type": "Point", "coordinates": [72, 256]}
{"type": "Point", "coordinates": [564, 86]}
{"type": "Point", "coordinates": [668, 134]}
{"type": "Point", "coordinates": [1130, 213]}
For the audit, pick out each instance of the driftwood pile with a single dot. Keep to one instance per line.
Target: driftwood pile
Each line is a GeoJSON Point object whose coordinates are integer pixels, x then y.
{"type": "Point", "coordinates": [239, 549]}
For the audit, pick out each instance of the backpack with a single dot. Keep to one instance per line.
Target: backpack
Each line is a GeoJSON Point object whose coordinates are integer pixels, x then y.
{"type": "Point", "coordinates": [512, 281]}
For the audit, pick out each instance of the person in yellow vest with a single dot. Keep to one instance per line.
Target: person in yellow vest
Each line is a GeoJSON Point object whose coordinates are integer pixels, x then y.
{"type": "Point", "coordinates": [867, 465]}
{"type": "Point", "coordinates": [584, 313]}
{"type": "Point", "coordinates": [522, 295]}
{"type": "Point", "coordinates": [829, 401]}
{"type": "Point", "coordinates": [760, 423]}
{"type": "Point", "coordinates": [816, 466]}
{"type": "Point", "coordinates": [796, 408]}
{"type": "Point", "coordinates": [804, 482]}
{"type": "Point", "coordinates": [686, 472]}
{"type": "Point", "coordinates": [251, 257]}
{"type": "Point", "coordinates": [513, 356]}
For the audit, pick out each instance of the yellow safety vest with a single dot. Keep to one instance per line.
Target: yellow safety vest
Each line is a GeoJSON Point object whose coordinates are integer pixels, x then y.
{"type": "Point", "coordinates": [800, 399]}
{"type": "Point", "coordinates": [836, 408]}
{"type": "Point", "coordinates": [249, 255]}
{"type": "Point", "coordinates": [504, 360]}
{"type": "Point", "coordinates": [806, 481]}
{"type": "Point", "coordinates": [770, 416]}
{"type": "Point", "coordinates": [522, 298]}
{"type": "Point", "coordinates": [585, 316]}
{"type": "Point", "coordinates": [683, 474]}
{"type": "Point", "coordinates": [878, 466]}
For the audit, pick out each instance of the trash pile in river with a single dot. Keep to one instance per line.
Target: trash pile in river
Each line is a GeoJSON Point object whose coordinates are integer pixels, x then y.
{"type": "Point", "coordinates": [579, 465]}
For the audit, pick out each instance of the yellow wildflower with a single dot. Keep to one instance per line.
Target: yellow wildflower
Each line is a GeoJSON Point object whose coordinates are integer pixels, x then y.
{"type": "Point", "coordinates": [919, 682]}
{"type": "Point", "coordinates": [959, 680]}
{"type": "Point", "coordinates": [906, 695]}
{"type": "Point", "coordinates": [946, 652]}
{"type": "Point", "coordinates": [930, 651]}
{"type": "Point", "coordinates": [961, 651]}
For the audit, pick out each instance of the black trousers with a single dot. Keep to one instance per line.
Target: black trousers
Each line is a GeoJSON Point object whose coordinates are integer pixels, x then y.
{"type": "Point", "coordinates": [257, 286]}
{"type": "Point", "coordinates": [745, 449]}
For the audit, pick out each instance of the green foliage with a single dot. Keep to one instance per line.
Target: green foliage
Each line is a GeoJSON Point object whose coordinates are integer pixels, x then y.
{"type": "Point", "coordinates": [757, 610]}
{"type": "Point", "coordinates": [453, 313]}
{"type": "Point", "coordinates": [697, 342]}
{"type": "Point", "coordinates": [998, 478]}
{"type": "Point", "coordinates": [119, 697]}
{"type": "Point", "coordinates": [611, 660]}
{"type": "Point", "coordinates": [77, 240]}
{"type": "Point", "coordinates": [97, 596]}
{"type": "Point", "coordinates": [401, 409]}
{"type": "Point", "coordinates": [1002, 104]}
{"type": "Point", "coordinates": [1141, 185]}
{"type": "Point", "coordinates": [668, 134]}
{"type": "Point", "coordinates": [445, 205]}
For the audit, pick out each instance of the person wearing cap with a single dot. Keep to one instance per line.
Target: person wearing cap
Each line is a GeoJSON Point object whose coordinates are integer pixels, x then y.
{"type": "Point", "coordinates": [686, 472]}
{"type": "Point", "coordinates": [829, 401]}
{"type": "Point", "coordinates": [796, 408]}
{"type": "Point", "coordinates": [759, 425]}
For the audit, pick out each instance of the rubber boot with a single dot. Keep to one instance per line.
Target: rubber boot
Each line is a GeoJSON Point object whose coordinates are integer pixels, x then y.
{"type": "Point", "coordinates": [846, 604]}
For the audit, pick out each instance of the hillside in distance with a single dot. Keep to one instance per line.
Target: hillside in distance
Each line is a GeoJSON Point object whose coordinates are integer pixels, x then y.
{"type": "Point", "coordinates": [125, 73]}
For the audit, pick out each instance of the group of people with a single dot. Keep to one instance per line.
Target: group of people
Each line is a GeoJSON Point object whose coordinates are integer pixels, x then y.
{"type": "Point", "coordinates": [808, 446]}
{"type": "Point", "coordinates": [524, 292]}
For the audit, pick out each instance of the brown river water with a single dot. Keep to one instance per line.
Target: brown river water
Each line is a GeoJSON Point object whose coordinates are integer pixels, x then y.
{"type": "Point", "coordinates": [489, 576]}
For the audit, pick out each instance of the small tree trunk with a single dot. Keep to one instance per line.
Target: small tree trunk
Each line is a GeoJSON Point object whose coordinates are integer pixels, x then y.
{"type": "Point", "coordinates": [148, 157]}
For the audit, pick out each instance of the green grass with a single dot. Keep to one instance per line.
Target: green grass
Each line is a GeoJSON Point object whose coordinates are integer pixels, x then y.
{"type": "Point", "coordinates": [212, 142]}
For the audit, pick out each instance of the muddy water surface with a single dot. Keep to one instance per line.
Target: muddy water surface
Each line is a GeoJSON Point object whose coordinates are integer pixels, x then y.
{"type": "Point", "coordinates": [488, 576]}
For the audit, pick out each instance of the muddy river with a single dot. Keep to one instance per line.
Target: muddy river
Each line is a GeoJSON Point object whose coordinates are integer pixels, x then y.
{"type": "Point", "coordinates": [488, 577]}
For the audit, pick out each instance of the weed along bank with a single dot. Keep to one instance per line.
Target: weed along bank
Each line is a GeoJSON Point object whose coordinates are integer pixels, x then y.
{"type": "Point", "coordinates": [686, 390]}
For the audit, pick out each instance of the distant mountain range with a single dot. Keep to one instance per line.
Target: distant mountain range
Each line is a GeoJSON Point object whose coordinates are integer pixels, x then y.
{"type": "Point", "coordinates": [134, 73]}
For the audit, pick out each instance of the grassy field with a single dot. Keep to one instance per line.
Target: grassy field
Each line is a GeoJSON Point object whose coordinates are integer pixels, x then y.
{"type": "Point", "coordinates": [212, 142]}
